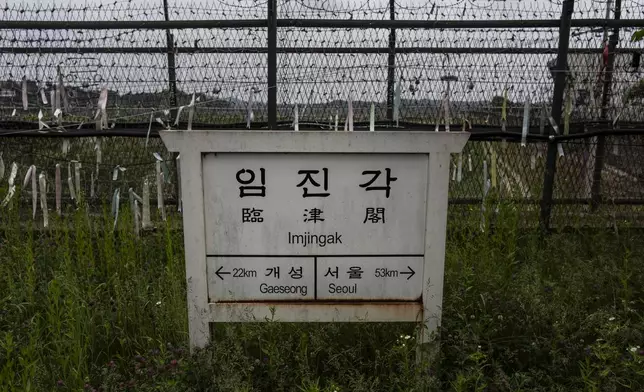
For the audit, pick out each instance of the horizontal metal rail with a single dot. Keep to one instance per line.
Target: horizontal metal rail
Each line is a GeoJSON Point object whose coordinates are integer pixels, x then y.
{"type": "Point", "coordinates": [478, 132]}
{"type": "Point", "coordinates": [292, 50]}
{"type": "Point", "coordinates": [571, 201]}
{"type": "Point", "coordinates": [456, 201]}
{"type": "Point", "coordinates": [314, 23]}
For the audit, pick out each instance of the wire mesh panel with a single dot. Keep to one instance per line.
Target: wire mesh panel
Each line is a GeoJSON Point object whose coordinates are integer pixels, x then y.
{"type": "Point", "coordinates": [490, 68]}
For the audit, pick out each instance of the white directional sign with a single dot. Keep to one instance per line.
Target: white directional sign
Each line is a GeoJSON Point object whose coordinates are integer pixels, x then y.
{"type": "Point", "coordinates": [261, 279]}
{"type": "Point", "coordinates": [314, 226]}
{"type": "Point", "coordinates": [370, 278]}
{"type": "Point", "coordinates": [315, 278]}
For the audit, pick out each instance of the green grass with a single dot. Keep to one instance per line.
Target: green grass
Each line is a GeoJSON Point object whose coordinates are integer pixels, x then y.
{"type": "Point", "coordinates": [83, 307]}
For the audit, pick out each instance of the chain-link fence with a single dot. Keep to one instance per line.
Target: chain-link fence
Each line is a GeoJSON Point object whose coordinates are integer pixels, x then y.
{"type": "Point", "coordinates": [117, 72]}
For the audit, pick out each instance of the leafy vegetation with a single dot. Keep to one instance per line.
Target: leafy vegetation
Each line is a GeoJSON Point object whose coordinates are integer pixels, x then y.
{"type": "Point", "coordinates": [84, 307]}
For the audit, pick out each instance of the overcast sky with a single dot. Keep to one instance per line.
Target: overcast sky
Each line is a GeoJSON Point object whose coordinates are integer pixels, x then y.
{"type": "Point", "coordinates": [303, 76]}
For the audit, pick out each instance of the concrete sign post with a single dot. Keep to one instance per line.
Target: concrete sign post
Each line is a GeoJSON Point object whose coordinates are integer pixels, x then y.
{"type": "Point", "coordinates": [314, 226]}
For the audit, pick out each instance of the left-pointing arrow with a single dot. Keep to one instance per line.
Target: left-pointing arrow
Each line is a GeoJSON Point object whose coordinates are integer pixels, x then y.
{"type": "Point", "coordinates": [219, 273]}
{"type": "Point", "coordinates": [410, 273]}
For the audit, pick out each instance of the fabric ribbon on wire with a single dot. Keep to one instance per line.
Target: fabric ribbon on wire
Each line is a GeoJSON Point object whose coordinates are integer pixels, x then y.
{"type": "Point", "coordinates": [504, 106]}
{"type": "Point", "coordinates": [158, 119]}
{"type": "Point", "coordinates": [52, 99]}
{"type": "Point", "coordinates": [191, 111]}
{"type": "Point", "coordinates": [249, 110]}
{"type": "Point", "coordinates": [41, 123]}
{"type": "Point", "coordinates": [34, 192]}
{"type": "Point", "coordinates": [146, 223]}
{"type": "Point", "coordinates": [296, 119]}
{"type": "Point", "coordinates": [448, 119]}
{"type": "Point", "coordinates": [526, 122]}
{"type": "Point", "coordinates": [134, 208]}
{"type": "Point", "coordinates": [12, 186]}
{"type": "Point", "coordinates": [115, 172]}
{"type": "Point", "coordinates": [115, 206]}
{"type": "Point", "coordinates": [164, 167]}
{"type": "Point", "coordinates": [159, 178]}
{"type": "Point", "coordinates": [102, 108]}
{"type": "Point", "coordinates": [43, 199]}
{"type": "Point", "coordinates": [63, 93]}
{"type": "Point", "coordinates": [350, 115]}
{"type": "Point", "coordinates": [77, 167]}
{"type": "Point", "coordinates": [397, 102]}
{"type": "Point", "coordinates": [57, 98]}
{"type": "Point", "coordinates": [25, 103]}
{"type": "Point", "coordinates": [59, 189]}
{"type": "Point", "coordinates": [30, 171]}
{"type": "Point", "coordinates": [43, 96]}
{"type": "Point", "coordinates": [70, 182]}
{"type": "Point", "coordinates": [190, 106]}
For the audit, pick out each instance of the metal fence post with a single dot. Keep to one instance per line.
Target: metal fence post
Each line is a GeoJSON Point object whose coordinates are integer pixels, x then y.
{"type": "Point", "coordinates": [600, 151]}
{"type": "Point", "coordinates": [272, 64]}
{"type": "Point", "coordinates": [391, 64]}
{"type": "Point", "coordinates": [172, 75]}
{"type": "Point", "coordinates": [172, 84]}
{"type": "Point", "coordinates": [557, 103]}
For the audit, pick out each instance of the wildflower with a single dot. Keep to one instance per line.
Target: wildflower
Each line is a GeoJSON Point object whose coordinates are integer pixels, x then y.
{"type": "Point", "coordinates": [173, 362]}
{"type": "Point", "coordinates": [407, 337]}
{"type": "Point", "coordinates": [60, 383]}
{"type": "Point", "coordinates": [500, 317]}
{"type": "Point", "coordinates": [158, 303]}
{"type": "Point", "coordinates": [633, 349]}
{"type": "Point", "coordinates": [611, 319]}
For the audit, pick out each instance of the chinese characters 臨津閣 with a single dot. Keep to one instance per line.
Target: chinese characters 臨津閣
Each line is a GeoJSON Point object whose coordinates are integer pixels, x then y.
{"type": "Point", "coordinates": [315, 183]}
